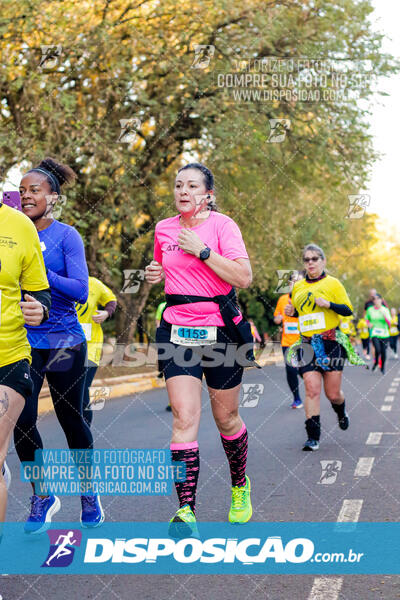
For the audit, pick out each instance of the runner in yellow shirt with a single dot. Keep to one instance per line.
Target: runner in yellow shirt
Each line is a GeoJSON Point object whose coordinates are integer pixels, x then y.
{"type": "Point", "coordinates": [21, 268]}
{"type": "Point", "coordinates": [319, 301]}
{"type": "Point", "coordinates": [90, 318]}
{"type": "Point", "coordinates": [363, 330]}
{"type": "Point", "coordinates": [394, 331]}
{"type": "Point", "coordinates": [346, 325]}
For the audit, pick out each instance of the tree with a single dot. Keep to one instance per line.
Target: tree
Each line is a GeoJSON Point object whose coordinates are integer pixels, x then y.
{"type": "Point", "coordinates": [113, 90]}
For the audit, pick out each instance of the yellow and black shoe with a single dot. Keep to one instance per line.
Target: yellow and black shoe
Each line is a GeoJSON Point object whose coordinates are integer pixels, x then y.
{"type": "Point", "coordinates": [241, 509]}
{"type": "Point", "coordinates": [183, 524]}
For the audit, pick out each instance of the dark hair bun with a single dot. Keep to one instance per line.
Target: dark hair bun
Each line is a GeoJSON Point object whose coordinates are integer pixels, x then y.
{"type": "Point", "coordinates": [62, 173]}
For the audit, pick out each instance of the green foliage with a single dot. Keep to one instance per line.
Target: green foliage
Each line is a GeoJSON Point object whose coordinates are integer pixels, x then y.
{"type": "Point", "coordinates": [125, 61]}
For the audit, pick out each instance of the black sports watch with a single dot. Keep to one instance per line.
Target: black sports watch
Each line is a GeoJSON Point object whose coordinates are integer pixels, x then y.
{"type": "Point", "coordinates": [204, 254]}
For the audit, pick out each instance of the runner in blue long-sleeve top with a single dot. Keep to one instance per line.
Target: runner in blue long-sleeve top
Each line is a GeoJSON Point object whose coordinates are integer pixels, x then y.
{"type": "Point", "coordinates": [58, 345]}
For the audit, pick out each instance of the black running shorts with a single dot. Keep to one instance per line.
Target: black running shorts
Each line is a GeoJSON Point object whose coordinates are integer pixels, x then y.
{"type": "Point", "coordinates": [336, 356]}
{"type": "Point", "coordinates": [217, 362]}
{"type": "Point", "coordinates": [17, 376]}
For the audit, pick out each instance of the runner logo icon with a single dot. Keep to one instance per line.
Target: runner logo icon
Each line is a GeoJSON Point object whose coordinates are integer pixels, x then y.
{"type": "Point", "coordinates": [62, 547]}
{"type": "Point", "coordinates": [330, 471]}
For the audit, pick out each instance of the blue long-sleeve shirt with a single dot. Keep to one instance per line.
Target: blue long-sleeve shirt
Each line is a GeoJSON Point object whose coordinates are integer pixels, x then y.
{"type": "Point", "coordinates": [67, 273]}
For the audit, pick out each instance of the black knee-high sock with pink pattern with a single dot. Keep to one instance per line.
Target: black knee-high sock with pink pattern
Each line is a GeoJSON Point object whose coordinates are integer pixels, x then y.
{"type": "Point", "coordinates": [235, 447]}
{"type": "Point", "coordinates": [187, 452]}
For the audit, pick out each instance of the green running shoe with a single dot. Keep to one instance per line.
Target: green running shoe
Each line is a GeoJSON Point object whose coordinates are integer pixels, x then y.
{"type": "Point", "coordinates": [183, 524]}
{"type": "Point", "coordinates": [241, 509]}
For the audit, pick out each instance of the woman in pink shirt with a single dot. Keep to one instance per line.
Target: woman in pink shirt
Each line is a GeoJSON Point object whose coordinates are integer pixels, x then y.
{"type": "Point", "coordinates": [201, 255]}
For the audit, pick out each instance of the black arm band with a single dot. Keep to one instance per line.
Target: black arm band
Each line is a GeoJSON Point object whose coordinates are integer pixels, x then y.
{"type": "Point", "coordinates": [42, 296]}
{"type": "Point", "coordinates": [341, 309]}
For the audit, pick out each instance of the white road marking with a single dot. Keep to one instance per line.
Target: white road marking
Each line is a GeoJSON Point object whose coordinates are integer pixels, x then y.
{"type": "Point", "coordinates": [326, 588]}
{"type": "Point", "coordinates": [375, 437]}
{"type": "Point", "coordinates": [386, 407]}
{"type": "Point", "coordinates": [388, 399]}
{"type": "Point", "coordinates": [392, 391]}
{"type": "Point", "coordinates": [350, 511]}
{"type": "Point", "coordinates": [364, 466]}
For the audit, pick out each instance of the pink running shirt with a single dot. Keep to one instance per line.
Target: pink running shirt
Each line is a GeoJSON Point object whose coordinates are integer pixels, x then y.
{"type": "Point", "coordinates": [187, 274]}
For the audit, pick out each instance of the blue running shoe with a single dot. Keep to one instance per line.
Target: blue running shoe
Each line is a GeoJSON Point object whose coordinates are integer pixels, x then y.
{"type": "Point", "coordinates": [311, 445]}
{"type": "Point", "coordinates": [92, 514]}
{"type": "Point", "coordinates": [296, 403]}
{"type": "Point", "coordinates": [42, 511]}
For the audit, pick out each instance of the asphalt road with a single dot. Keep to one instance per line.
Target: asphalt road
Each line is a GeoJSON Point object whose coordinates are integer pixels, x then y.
{"type": "Point", "coordinates": [285, 483]}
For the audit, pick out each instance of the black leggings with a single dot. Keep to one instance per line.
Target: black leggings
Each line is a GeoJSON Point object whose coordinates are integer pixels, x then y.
{"type": "Point", "coordinates": [365, 344]}
{"type": "Point", "coordinates": [393, 343]}
{"type": "Point", "coordinates": [90, 373]}
{"type": "Point", "coordinates": [65, 372]}
{"type": "Point", "coordinates": [292, 375]}
{"type": "Point", "coordinates": [380, 350]}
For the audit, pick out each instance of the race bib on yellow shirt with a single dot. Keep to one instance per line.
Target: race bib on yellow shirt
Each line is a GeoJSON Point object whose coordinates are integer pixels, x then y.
{"type": "Point", "coordinates": [291, 328]}
{"type": "Point", "coordinates": [87, 330]}
{"type": "Point", "coordinates": [312, 322]}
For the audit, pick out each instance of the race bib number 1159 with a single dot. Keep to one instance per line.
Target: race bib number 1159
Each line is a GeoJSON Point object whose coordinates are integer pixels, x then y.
{"type": "Point", "coordinates": [193, 336]}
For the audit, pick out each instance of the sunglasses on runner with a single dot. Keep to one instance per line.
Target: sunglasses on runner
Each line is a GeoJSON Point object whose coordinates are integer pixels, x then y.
{"type": "Point", "coordinates": [311, 259]}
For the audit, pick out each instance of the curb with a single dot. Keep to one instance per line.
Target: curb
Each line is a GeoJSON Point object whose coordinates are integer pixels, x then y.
{"type": "Point", "coordinates": [127, 385]}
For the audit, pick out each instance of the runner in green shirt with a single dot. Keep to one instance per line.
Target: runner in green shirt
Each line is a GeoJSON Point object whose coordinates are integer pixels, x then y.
{"type": "Point", "coordinates": [378, 319]}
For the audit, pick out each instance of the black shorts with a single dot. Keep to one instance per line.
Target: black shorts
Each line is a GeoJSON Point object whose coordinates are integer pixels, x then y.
{"type": "Point", "coordinates": [223, 372]}
{"type": "Point", "coordinates": [17, 376]}
{"type": "Point", "coordinates": [336, 356]}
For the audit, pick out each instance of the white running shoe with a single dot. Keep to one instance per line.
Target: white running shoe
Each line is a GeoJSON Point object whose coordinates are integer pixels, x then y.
{"type": "Point", "coordinates": [7, 476]}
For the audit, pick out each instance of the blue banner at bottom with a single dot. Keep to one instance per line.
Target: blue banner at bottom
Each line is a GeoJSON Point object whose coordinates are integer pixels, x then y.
{"type": "Point", "coordinates": [216, 548]}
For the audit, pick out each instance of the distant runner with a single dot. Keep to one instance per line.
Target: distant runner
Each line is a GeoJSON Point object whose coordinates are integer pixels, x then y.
{"type": "Point", "coordinates": [290, 335]}
{"type": "Point", "coordinates": [394, 331]}
{"type": "Point", "coordinates": [378, 319]}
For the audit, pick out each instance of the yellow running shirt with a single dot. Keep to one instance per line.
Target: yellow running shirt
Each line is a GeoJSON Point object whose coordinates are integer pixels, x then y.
{"type": "Point", "coordinates": [346, 325]}
{"type": "Point", "coordinates": [98, 294]}
{"type": "Point", "coordinates": [312, 318]}
{"type": "Point", "coordinates": [362, 327]}
{"type": "Point", "coordinates": [393, 326]}
{"type": "Point", "coordinates": [21, 267]}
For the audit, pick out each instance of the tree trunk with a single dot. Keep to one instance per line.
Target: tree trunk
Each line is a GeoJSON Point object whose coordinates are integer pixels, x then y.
{"type": "Point", "coordinates": [130, 309]}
